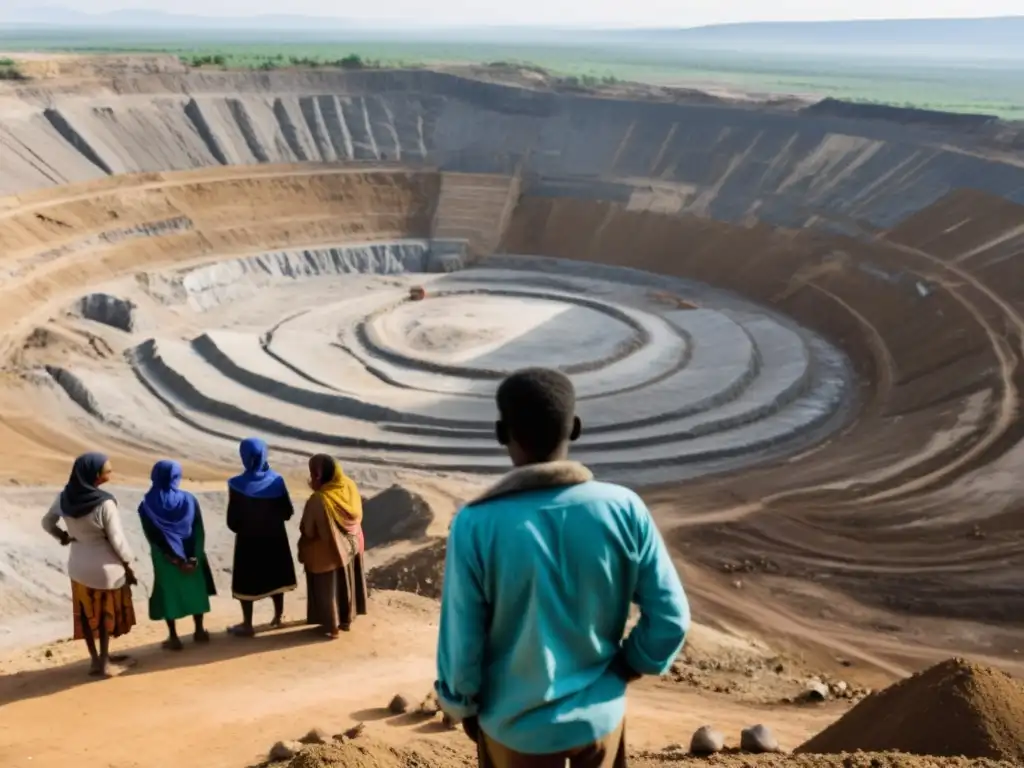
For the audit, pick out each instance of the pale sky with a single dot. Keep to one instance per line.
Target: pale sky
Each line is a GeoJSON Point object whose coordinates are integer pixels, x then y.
{"type": "Point", "coordinates": [660, 13]}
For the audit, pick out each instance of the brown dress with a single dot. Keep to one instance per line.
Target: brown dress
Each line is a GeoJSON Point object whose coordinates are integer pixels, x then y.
{"type": "Point", "coordinates": [335, 576]}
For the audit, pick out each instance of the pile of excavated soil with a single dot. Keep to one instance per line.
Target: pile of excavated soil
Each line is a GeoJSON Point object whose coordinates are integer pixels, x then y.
{"type": "Point", "coordinates": [421, 572]}
{"type": "Point", "coordinates": [955, 708]}
{"type": "Point", "coordinates": [396, 514]}
{"type": "Point", "coordinates": [856, 760]}
{"type": "Point", "coordinates": [367, 753]}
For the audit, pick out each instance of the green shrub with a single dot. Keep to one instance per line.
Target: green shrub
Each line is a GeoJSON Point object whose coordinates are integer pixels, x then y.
{"type": "Point", "coordinates": [10, 71]}
{"type": "Point", "coordinates": [352, 61]}
{"type": "Point", "coordinates": [216, 60]}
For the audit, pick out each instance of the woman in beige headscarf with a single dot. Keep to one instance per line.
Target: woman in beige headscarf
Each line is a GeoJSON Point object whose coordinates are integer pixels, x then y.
{"type": "Point", "coordinates": [331, 548]}
{"type": "Point", "coordinates": [86, 518]}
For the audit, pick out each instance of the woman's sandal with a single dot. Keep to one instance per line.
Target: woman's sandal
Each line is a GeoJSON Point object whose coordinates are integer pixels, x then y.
{"type": "Point", "coordinates": [240, 630]}
{"type": "Point", "coordinates": [113, 669]}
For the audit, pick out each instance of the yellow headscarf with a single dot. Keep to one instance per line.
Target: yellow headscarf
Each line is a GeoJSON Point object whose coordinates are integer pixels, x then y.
{"type": "Point", "coordinates": [339, 495]}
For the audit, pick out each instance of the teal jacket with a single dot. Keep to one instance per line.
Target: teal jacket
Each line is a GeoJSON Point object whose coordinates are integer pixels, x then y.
{"type": "Point", "coordinates": [537, 591]}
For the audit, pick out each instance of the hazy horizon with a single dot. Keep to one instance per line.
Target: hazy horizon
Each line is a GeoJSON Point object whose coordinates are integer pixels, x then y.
{"type": "Point", "coordinates": [538, 13]}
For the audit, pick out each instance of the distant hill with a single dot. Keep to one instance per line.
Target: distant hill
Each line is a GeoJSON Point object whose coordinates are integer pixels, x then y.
{"type": "Point", "coordinates": [984, 38]}
{"type": "Point", "coordinates": [999, 36]}
{"type": "Point", "coordinates": [55, 17]}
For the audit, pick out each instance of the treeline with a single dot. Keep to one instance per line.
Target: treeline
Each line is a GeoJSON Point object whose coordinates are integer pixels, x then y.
{"type": "Point", "coordinates": [279, 61]}
{"type": "Point", "coordinates": [587, 81]}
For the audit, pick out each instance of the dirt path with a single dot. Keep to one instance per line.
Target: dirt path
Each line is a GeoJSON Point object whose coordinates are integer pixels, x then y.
{"type": "Point", "coordinates": [222, 706]}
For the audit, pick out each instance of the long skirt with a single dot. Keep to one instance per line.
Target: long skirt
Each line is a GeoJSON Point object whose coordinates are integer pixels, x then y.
{"type": "Point", "coordinates": [177, 594]}
{"type": "Point", "coordinates": [112, 607]}
{"type": "Point", "coordinates": [263, 567]}
{"type": "Point", "coordinates": [335, 598]}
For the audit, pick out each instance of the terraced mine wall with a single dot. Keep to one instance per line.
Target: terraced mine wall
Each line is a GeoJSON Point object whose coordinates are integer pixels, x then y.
{"type": "Point", "coordinates": [56, 242]}
{"type": "Point", "coordinates": [896, 242]}
{"type": "Point", "coordinates": [729, 163]}
{"type": "Point", "coordinates": [918, 323]}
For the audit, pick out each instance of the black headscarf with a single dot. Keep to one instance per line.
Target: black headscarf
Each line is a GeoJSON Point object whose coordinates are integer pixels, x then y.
{"type": "Point", "coordinates": [81, 496]}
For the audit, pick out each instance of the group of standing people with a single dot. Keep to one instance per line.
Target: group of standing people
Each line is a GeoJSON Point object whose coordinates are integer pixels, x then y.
{"type": "Point", "coordinates": [85, 517]}
{"type": "Point", "coordinates": [541, 569]}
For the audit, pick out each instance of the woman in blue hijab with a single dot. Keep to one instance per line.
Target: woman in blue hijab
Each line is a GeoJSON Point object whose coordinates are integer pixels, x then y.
{"type": "Point", "coordinates": [182, 580]}
{"type": "Point", "coordinates": [258, 508]}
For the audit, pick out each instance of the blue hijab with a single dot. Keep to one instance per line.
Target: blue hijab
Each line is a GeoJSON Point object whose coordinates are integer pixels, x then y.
{"type": "Point", "coordinates": [171, 510]}
{"type": "Point", "coordinates": [258, 481]}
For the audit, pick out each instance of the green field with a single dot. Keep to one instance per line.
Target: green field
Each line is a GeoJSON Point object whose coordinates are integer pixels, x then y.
{"type": "Point", "coordinates": [995, 87]}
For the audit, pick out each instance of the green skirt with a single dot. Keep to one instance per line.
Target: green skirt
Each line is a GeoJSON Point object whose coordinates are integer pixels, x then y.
{"type": "Point", "coordinates": [176, 594]}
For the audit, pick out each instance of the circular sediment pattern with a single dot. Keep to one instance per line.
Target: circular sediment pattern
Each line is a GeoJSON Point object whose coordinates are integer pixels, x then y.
{"type": "Point", "coordinates": [489, 332]}
{"type": "Point", "coordinates": [672, 377]}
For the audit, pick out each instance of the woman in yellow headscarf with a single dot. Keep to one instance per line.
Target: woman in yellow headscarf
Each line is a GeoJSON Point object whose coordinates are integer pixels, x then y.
{"type": "Point", "coordinates": [331, 548]}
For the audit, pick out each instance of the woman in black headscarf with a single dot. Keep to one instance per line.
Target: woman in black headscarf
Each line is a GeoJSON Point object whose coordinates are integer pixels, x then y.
{"type": "Point", "coordinates": [99, 562]}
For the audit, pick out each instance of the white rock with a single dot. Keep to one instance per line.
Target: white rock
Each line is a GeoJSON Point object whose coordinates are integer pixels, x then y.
{"type": "Point", "coordinates": [816, 691]}
{"type": "Point", "coordinates": [706, 741]}
{"type": "Point", "coordinates": [758, 739]}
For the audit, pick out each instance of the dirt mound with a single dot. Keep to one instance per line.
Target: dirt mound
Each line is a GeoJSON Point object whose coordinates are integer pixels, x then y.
{"type": "Point", "coordinates": [421, 572]}
{"type": "Point", "coordinates": [396, 514]}
{"type": "Point", "coordinates": [955, 708]}
{"type": "Point", "coordinates": [857, 760]}
{"type": "Point", "coordinates": [366, 753]}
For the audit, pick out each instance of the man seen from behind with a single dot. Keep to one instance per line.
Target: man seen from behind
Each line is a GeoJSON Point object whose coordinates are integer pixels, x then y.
{"type": "Point", "coordinates": [540, 574]}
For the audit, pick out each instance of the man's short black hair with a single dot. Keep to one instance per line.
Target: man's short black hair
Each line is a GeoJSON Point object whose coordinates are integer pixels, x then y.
{"type": "Point", "coordinates": [537, 408]}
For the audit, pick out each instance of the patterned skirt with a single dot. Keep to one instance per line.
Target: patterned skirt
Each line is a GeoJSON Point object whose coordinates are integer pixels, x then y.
{"type": "Point", "coordinates": [113, 607]}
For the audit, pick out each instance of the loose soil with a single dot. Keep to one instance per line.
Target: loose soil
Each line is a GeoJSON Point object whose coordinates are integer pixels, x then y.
{"type": "Point", "coordinates": [955, 708]}
{"type": "Point", "coordinates": [365, 753]}
{"type": "Point", "coordinates": [420, 572]}
{"type": "Point", "coordinates": [396, 514]}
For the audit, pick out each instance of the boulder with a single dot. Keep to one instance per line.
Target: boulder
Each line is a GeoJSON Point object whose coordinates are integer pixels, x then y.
{"type": "Point", "coordinates": [110, 310]}
{"type": "Point", "coordinates": [429, 706]}
{"type": "Point", "coordinates": [284, 750]}
{"type": "Point", "coordinates": [316, 736]}
{"type": "Point", "coordinates": [758, 739]}
{"type": "Point", "coordinates": [352, 733]}
{"type": "Point", "coordinates": [706, 741]}
{"type": "Point", "coordinates": [399, 705]}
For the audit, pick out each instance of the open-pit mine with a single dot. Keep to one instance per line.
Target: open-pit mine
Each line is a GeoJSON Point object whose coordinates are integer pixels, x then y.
{"type": "Point", "coordinates": [798, 331]}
